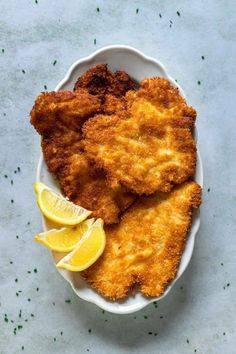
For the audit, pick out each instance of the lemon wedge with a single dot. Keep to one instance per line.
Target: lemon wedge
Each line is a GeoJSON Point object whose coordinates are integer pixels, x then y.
{"type": "Point", "coordinates": [57, 208]}
{"type": "Point", "coordinates": [87, 251]}
{"type": "Point", "coordinates": [65, 239]}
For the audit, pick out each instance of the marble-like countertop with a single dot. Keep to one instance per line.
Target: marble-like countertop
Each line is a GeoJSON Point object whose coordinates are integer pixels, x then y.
{"type": "Point", "coordinates": [196, 45]}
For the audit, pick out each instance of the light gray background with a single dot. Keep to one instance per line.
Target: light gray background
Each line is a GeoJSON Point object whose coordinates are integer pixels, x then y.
{"type": "Point", "coordinates": [196, 316]}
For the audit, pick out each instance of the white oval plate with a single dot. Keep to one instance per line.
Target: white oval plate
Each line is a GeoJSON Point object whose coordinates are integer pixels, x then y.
{"type": "Point", "coordinates": [138, 66]}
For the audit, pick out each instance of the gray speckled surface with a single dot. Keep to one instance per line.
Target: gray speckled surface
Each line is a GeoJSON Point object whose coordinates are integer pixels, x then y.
{"type": "Point", "coordinates": [199, 315]}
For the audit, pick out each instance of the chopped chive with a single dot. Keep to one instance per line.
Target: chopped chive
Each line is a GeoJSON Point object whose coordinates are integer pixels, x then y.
{"type": "Point", "coordinates": [187, 341]}
{"type": "Point", "coordinates": [54, 63]}
{"type": "Point", "coordinates": [16, 280]}
{"type": "Point", "coordinates": [203, 57]}
{"type": "Point", "coordinates": [98, 10]}
{"type": "Point", "coordinates": [137, 10]}
{"type": "Point", "coordinates": [160, 15]}
{"type": "Point", "coordinates": [208, 190]}
{"type": "Point", "coordinates": [35, 270]}
{"type": "Point", "coordinates": [146, 317]}
{"type": "Point", "coordinates": [178, 13]}
{"type": "Point", "coordinates": [199, 82]}
{"type": "Point", "coordinates": [29, 299]}
{"type": "Point", "coordinates": [45, 87]}
{"type": "Point", "coordinates": [150, 333]}
{"type": "Point", "coordinates": [6, 176]}
{"type": "Point", "coordinates": [68, 301]}
{"type": "Point", "coordinates": [3, 50]}
{"type": "Point", "coordinates": [12, 201]}
{"type": "Point", "coordinates": [89, 330]}
{"type": "Point", "coordinates": [95, 41]}
{"type": "Point", "coordinates": [23, 71]}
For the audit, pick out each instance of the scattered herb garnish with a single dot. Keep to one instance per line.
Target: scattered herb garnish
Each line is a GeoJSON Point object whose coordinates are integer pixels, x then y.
{"type": "Point", "coordinates": [23, 71]}
{"type": "Point", "coordinates": [12, 201]}
{"type": "Point", "coordinates": [68, 301]}
{"type": "Point", "coordinates": [29, 272]}
{"type": "Point", "coordinates": [35, 270]}
{"type": "Point", "coordinates": [155, 334]}
{"type": "Point", "coordinates": [178, 13]}
{"type": "Point", "coordinates": [17, 236]}
{"type": "Point", "coordinates": [32, 315]}
{"type": "Point", "coordinates": [150, 333]}
{"type": "Point", "coordinates": [199, 82]}
{"type": "Point", "coordinates": [160, 15]}
{"type": "Point", "coordinates": [18, 168]}
{"type": "Point", "coordinates": [161, 317]}
{"type": "Point", "coordinates": [146, 317]}
{"type": "Point", "coordinates": [37, 289]}
{"type": "Point", "coordinates": [54, 63]}
{"type": "Point", "coordinates": [5, 318]}
{"type": "Point", "coordinates": [61, 333]}
{"type": "Point", "coordinates": [137, 10]}
{"type": "Point", "coordinates": [20, 313]}
{"type": "Point", "coordinates": [89, 330]}
{"type": "Point", "coordinates": [53, 303]}
{"type": "Point", "coordinates": [16, 280]}
{"type": "Point", "coordinates": [6, 176]}
{"type": "Point", "coordinates": [28, 223]}
{"type": "Point", "coordinates": [208, 190]}
{"type": "Point", "coordinates": [95, 41]}
{"type": "Point", "coordinates": [54, 339]}
{"type": "Point", "coordinates": [29, 299]}
{"type": "Point", "coordinates": [36, 1]}
{"type": "Point", "coordinates": [98, 10]}
{"type": "Point", "coordinates": [19, 327]}
{"type": "Point", "coordinates": [11, 182]}
{"type": "Point", "coordinates": [11, 262]}
{"type": "Point", "coordinates": [222, 264]}
{"type": "Point", "coordinates": [3, 50]}
{"type": "Point", "coordinates": [203, 57]}
{"type": "Point", "coordinates": [187, 341]}
{"type": "Point", "coordinates": [22, 348]}
{"type": "Point", "coordinates": [45, 87]}
{"type": "Point", "coordinates": [17, 294]}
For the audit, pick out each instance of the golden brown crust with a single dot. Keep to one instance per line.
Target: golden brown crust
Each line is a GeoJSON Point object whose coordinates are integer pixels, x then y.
{"type": "Point", "coordinates": [100, 81]}
{"type": "Point", "coordinates": [146, 247]}
{"type": "Point", "coordinates": [149, 147]}
{"type": "Point", "coordinates": [58, 117]}
{"type": "Point", "coordinates": [61, 110]}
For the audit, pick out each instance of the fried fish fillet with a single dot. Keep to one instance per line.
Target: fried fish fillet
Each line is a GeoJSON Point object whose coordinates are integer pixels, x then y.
{"type": "Point", "coordinates": [145, 248]}
{"type": "Point", "coordinates": [58, 117]}
{"type": "Point", "coordinates": [149, 146]}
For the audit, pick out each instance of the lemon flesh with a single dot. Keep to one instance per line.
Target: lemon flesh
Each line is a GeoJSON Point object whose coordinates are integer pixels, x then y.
{"type": "Point", "coordinates": [87, 251]}
{"type": "Point", "coordinates": [65, 239]}
{"type": "Point", "coordinates": [57, 208]}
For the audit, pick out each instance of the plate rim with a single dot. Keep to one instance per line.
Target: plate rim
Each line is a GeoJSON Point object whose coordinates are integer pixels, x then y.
{"type": "Point", "coordinates": [131, 308]}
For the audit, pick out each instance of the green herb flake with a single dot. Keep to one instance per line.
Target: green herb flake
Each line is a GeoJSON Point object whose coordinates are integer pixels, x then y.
{"type": "Point", "coordinates": [6, 319]}
{"type": "Point", "coordinates": [68, 301]}
{"type": "Point", "coordinates": [37, 289]}
{"type": "Point", "coordinates": [146, 317]}
{"type": "Point", "coordinates": [11, 262]}
{"type": "Point", "coordinates": [35, 270]}
{"type": "Point", "coordinates": [12, 201]}
{"type": "Point", "coordinates": [61, 333]}
{"type": "Point", "coordinates": [98, 10]}
{"type": "Point", "coordinates": [137, 10]}
{"type": "Point", "coordinates": [150, 333]}
{"type": "Point", "coordinates": [160, 15]}
{"type": "Point", "coordinates": [3, 50]}
{"type": "Point", "coordinates": [36, 1]}
{"type": "Point", "coordinates": [6, 176]}
{"type": "Point", "coordinates": [54, 63]}
{"type": "Point", "coordinates": [19, 327]}
{"type": "Point", "coordinates": [178, 13]}
{"type": "Point", "coordinates": [32, 315]}
{"type": "Point", "coordinates": [16, 280]}
{"type": "Point", "coordinates": [23, 71]}
{"type": "Point", "coordinates": [224, 333]}
{"type": "Point", "coordinates": [18, 168]}
{"type": "Point", "coordinates": [14, 331]}
{"type": "Point", "coordinates": [29, 272]}
{"type": "Point", "coordinates": [54, 339]}
{"type": "Point", "coordinates": [89, 330]}
{"type": "Point", "coordinates": [45, 87]}
{"type": "Point", "coordinates": [29, 299]}
{"type": "Point", "coordinates": [11, 182]}
{"type": "Point", "coordinates": [203, 58]}
{"type": "Point", "coordinates": [95, 41]}
{"type": "Point", "coordinates": [187, 341]}
{"type": "Point", "coordinates": [199, 82]}
{"type": "Point", "coordinates": [221, 263]}
{"type": "Point", "coordinates": [22, 348]}
{"type": "Point", "coordinates": [20, 313]}
{"type": "Point", "coordinates": [208, 190]}
{"type": "Point", "coordinates": [17, 236]}
{"type": "Point", "coordinates": [17, 294]}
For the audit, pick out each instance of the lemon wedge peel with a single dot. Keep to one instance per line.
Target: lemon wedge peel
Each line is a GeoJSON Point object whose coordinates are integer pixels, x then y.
{"type": "Point", "coordinates": [82, 249]}
{"type": "Point", "coordinates": [64, 239]}
{"type": "Point", "coordinates": [57, 208]}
